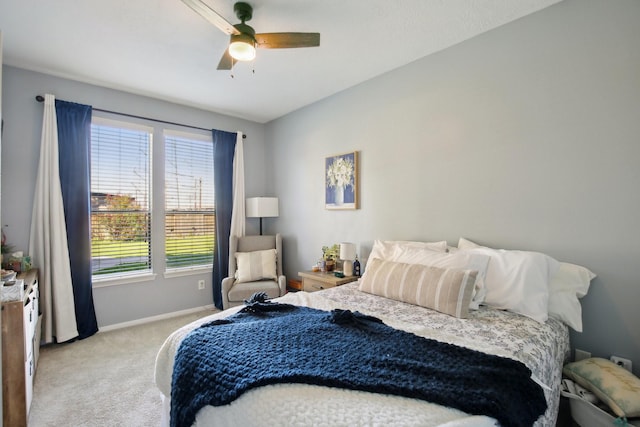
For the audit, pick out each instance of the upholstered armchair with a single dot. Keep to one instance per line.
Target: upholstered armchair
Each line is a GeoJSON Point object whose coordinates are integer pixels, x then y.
{"type": "Point", "coordinates": [255, 265]}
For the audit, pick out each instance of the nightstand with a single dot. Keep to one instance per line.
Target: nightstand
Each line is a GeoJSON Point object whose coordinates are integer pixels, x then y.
{"type": "Point", "coordinates": [312, 281]}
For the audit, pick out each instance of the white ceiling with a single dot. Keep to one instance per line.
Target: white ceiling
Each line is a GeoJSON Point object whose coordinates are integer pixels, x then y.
{"type": "Point", "coordinates": [163, 49]}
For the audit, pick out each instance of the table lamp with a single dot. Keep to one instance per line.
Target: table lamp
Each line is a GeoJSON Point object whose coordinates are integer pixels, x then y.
{"type": "Point", "coordinates": [347, 255]}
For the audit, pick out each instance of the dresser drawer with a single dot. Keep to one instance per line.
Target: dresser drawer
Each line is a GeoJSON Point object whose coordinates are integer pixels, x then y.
{"type": "Point", "coordinates": [29, 371]}
{"type": "Point", "coordinates": [311, 285]}
{"type": "Point", "coordinates": [30, 317]}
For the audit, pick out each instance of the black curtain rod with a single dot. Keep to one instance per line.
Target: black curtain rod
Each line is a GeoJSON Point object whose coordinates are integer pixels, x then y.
{"type": "Point", "coordinates": [40, 98]}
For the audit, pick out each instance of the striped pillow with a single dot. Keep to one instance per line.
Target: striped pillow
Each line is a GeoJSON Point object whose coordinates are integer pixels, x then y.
{"type": "Point", "coordinates": [256, 265]}
{"type": "Point", "coordinates": [443, 289]}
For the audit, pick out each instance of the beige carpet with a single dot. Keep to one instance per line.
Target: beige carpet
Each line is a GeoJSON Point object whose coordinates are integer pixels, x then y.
{"type": "Point", "coordinates": [104, 380]}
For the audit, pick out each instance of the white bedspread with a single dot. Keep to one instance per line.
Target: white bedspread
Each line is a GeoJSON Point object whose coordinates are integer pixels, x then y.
{"type": "Point", "coordinates": [542, 347]}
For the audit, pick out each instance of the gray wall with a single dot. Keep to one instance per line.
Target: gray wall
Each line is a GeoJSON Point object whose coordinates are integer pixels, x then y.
{"type": "Point", "coordinates": [21, 151]}
{"type": "Point", "coordinates": [526, 137]}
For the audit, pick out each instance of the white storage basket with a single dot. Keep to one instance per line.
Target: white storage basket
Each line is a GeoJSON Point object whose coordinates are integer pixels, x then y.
{"type": "Point", "coordinates": [586, 414]}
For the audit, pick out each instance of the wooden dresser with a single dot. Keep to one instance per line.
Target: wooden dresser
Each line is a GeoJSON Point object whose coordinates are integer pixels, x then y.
{"type": "Point", "coordinates": [20, 350]}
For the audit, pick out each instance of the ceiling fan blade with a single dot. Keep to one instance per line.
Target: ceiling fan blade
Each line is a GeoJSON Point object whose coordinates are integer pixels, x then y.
{"type": "Point", "coordinates": [226, 62]}
{"type": "Point", "coordinates": [287, 40]}
{"type": "Point", "coordinates": [211, 15]}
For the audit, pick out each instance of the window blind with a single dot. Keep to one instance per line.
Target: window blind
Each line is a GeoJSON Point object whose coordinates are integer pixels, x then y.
{"type": "Point", "coordinates": [120, 199]}
{"type": "Point", "coordinates": [189, 201]}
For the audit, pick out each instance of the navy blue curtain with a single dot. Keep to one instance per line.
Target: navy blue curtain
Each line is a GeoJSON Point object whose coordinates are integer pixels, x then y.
{"type": "Point", "coordinates": [224, 145]}
{"type": "Point", "coordinates": [74, 138]}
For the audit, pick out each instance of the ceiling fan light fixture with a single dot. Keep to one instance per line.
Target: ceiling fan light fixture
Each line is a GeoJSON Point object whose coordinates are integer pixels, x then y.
{"type": "Point", "coordinates": [242, 47]}
{"type": "Point", "coordinates": [243, 40]}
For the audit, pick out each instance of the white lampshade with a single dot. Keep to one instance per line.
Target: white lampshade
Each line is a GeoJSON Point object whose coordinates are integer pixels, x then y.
{"type": "Point", "coordinates": [347, 251]}
{"type": "Point", "coordinates": [261, 207]}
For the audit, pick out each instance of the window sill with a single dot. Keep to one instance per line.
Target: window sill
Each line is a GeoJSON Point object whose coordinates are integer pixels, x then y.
{"type": "Point", "coordinates": [123, 280]}
{"type": "Point", "coordinates": [179, 272]}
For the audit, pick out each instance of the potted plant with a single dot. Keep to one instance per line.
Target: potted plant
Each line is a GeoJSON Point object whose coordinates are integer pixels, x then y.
{"type": "Point", "coordinates": [5, 248]}
{"type": "Point", "coordinates": [330, 256]}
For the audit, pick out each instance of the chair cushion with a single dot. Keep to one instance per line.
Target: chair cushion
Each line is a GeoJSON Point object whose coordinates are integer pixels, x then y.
{"type": "Point", "coordinates": [256, 265]}
{"type": "Point", "coordinates": [255, 243]}
{"type": "Point", "coordinates": [243, 291]}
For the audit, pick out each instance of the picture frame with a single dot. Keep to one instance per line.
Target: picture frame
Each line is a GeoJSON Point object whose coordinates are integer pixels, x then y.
{"type": "Point", "coordinates": [341, 181]}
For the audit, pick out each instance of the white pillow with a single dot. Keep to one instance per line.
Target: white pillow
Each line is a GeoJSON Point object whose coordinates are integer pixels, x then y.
{"type": "Point", "coordinates": [467, 244]}
{"type": "Point", "coordinates": [256, 265]}
{"type": "Point", "coordinates": [567, 285]}
{"type": "Point", "coordinates": [517, 281]}
{"type": "Point", "coordinates": [389, 250]}
{"type": "Point", "coordinates": [409, 254]}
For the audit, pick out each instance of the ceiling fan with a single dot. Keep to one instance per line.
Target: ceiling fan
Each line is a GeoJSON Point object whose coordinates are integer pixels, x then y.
{"type": "Point", "coordinates": [243, 38]}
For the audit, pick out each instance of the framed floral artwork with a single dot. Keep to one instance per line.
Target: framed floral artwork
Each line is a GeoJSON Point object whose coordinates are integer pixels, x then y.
{"type": "Point", "coordinates": [341, 181]}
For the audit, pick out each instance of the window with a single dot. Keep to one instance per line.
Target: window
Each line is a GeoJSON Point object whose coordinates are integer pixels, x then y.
{"type": "Point", "coordinates": [120, 198]}
{"type": "Point", "coordinates": [189, 203]}
{"type": "Point", "coordinates": [131, 178]}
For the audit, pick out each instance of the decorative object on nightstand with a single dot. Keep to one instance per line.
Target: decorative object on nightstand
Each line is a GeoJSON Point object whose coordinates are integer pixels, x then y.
{"type": "Point", "coordinates": [262, 207]}
{"type": "Point", "coordinates": [330, 255]}
{"type": "Point", "coordinates": [356, 267]}
{"type": "Point", "coordinates": [347, 255]}
{"type": "Point", "coordinates": [312, 281]}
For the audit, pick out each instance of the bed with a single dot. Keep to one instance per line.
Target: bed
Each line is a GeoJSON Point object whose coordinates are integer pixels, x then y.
{"type": "Point", "coordinates": [541, 346]}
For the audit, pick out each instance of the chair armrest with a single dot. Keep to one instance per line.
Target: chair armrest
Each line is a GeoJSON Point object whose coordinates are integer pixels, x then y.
{"type": "Point", "coordinates": [227, 284]}
{"type": "Point", "coordinates": [282, 284]}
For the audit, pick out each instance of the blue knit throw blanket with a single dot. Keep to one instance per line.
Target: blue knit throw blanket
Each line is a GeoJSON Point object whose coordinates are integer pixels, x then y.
{"type": "Point", "coordinates": [268, 343]}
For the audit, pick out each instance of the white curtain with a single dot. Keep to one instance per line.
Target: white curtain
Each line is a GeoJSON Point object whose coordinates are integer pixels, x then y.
{"type": "Point", "coordinates": [237, 214]}
{"type": "Point", "coordinates": [48, 238]}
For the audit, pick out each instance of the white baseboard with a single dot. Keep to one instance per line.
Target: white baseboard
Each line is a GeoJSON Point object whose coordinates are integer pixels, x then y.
{"type": "Point", "coordinates": [155, 318]}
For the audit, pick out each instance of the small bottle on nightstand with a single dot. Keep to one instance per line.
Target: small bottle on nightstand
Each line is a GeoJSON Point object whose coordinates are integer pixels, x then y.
{"type": "Point", "coordinates": [356, 267]}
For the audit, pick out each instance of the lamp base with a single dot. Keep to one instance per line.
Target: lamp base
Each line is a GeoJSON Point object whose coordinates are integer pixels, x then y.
{"type": "Point", "coordinates": [347, 267]}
